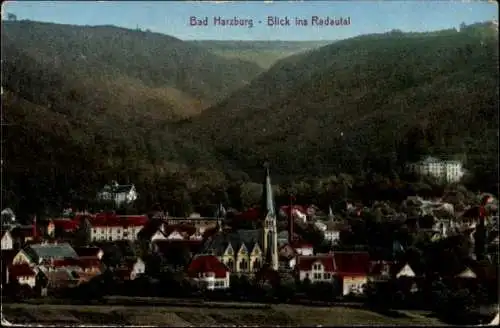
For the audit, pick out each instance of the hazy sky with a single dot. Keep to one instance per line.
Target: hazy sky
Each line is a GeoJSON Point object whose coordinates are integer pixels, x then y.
{"type": "Point", "coordinates": [171, 17]}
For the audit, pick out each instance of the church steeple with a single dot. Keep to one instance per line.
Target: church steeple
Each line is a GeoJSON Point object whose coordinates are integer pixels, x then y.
{"type": "Point", "coordinates": [267, 201]}
{"type": "Point", "coordinates": [268, 211]}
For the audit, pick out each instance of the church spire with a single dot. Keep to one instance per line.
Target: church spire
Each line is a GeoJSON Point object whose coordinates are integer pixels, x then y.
{"type": "Point", "coordinates": [270, 238]}
{"type": "Point", "coordinates": [267, 202]}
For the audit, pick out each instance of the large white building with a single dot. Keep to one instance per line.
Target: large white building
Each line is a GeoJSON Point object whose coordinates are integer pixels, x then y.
{"type": "Point", "coordinates": [446, 170]}
{"type": "Point", "coordinates": [119, 194]}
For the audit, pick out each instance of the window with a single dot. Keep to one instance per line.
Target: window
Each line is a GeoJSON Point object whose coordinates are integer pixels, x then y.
{"type": "Point", "coordinates": [230, 264]}
{"type": "Point", "coordinates": [256, 264]}
{"type": "Point", "coordinates": [317, 276]}
{"type": "Point", "coordinates": [327, 276]}
{"type": "Point", "coordinates": [317, 267]}
{"type": "Point", "coordinates": [243, 265]}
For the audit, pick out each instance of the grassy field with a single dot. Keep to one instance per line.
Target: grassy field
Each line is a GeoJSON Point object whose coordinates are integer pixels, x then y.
{"type": "Point", "coordinates": [170, 316]}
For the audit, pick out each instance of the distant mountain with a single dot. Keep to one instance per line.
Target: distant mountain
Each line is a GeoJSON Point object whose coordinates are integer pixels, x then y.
{"type": "Point", "coordinates": [132, 72]}
{"type": "Point", "coordinates": [370, 101]}
{"type": "Point", "coordinates": [83, 105]}
{"type": "Point", "coordinates": [264, 53]}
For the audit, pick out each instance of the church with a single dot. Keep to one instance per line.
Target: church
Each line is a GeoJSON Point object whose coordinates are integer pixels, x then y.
{"type": "Point", "coordinates": [246, 251]}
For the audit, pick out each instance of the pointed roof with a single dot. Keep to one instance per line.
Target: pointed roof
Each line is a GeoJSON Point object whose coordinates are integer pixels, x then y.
{"type": "Point", "coordinates": [267, 205]}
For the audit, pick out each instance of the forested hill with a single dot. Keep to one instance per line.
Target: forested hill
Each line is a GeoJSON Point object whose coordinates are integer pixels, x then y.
{"type": "Point", "coordinates": [366, 102]}
{"type": "Point", "coordinates": [264, 53]}
{"type": "Point", "coordinates": [122, 70]}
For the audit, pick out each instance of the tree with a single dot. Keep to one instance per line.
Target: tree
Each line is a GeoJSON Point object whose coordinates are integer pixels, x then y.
{"type": "Point", "coordinates": [112, 257]}
{"type": "Point", "coordinates": [83, 236]}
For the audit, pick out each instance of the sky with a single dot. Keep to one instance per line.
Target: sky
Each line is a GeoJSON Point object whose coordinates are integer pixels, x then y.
{"type": "Point", "coordinates": [173, 18]}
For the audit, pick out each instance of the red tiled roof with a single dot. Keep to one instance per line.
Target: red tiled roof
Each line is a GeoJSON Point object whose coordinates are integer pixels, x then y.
{"type": "Point", "coordinates": [305, 263]}
{"type": "Point", "coordinates": [65, 224]}
{"type": "Point", "coordinates": [21, 270]}
{"type": "Point", "coordinates": [352, 263]}
{"type": "Point", "coordinates": [113, 220]}
{"type": "Point", "coordinates": [207, 264]}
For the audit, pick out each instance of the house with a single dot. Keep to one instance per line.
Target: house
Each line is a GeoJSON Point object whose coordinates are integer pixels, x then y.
{"type": "Point", "coordinates": [352, 269]}
{"type": "Point", "coordinates": [131, 270]}
{"type": "Point", "coordinates": [331, 231]}
{"type": "Point", "coordinates": [119, 194]}
{"type": "Point", "coordinates": [23, 273]}
{"type": "Point", "coordinates": [447, 170]}
{"type": "Point", "coordinates": [239, 250]}
{"type": "Point", "coordinates": [21, 257]}
{"type": "Point", "coordinates": [37, 253]}
{"type": "Point", "coordinates": [317, 268]}
{"type": "Point", "coordinates": [111, 227]}
{"type": "Point", "coordinates": [7, 240]}
{"type": "Point", "coordinates": [209, 272]}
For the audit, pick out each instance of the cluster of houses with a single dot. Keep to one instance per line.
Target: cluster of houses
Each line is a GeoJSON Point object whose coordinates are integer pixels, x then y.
{"type": "Point", "coordinates": [43, 254]}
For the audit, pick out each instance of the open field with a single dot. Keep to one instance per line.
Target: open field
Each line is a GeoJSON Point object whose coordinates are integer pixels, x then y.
{"type": "Point", "coordinates": [183, 316]}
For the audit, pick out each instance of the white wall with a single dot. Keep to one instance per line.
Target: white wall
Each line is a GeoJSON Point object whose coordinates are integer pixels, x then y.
{"type": "Point", "coordinates": [7, 242]}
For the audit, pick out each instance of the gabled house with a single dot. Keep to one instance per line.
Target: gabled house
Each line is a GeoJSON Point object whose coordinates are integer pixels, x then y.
{"type": "Point", "coordinates": [317, 268]}
{"type": "Point", "coordinates": [7, 240]}
{"type": "Point", "coordinates": [21, 257]}
{"type": "Point", "coordinates": [209, 272]}
{"type": "Point", "coordinates": [240, 250]}
{"type": "Point", "coordinates": [119, 194]}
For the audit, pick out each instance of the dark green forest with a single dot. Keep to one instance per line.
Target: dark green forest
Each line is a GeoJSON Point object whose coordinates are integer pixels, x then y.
{"type": "Point", "coordinates": [86, 105]}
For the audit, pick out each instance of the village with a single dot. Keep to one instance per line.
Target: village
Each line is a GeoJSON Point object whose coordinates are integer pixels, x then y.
{"type": "Point", "coordinates": [281, 253]}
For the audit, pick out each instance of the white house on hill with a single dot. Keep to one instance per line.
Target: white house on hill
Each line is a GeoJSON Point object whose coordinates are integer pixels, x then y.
{"type": "Point", "coordinates": [447, 170]}
{"type": "Point", "coordinates": [119, 194]}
